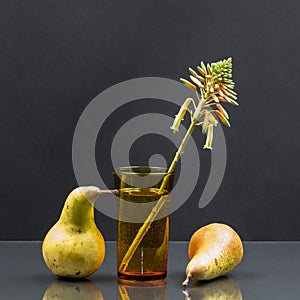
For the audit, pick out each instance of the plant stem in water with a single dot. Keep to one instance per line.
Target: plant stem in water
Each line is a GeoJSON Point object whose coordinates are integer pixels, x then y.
{"type": "Point", "coordinates": [160, 203]}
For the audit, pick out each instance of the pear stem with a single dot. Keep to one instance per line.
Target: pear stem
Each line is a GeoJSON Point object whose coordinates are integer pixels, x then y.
{"type": "Point", "coordinates": [115, 192]}
{"type": "Point", "coordinates": [186, 282]}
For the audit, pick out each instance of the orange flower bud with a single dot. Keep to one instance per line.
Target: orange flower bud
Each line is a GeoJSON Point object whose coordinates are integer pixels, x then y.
{"type": "Point", "coordinates": [232, 102]}
{"type": "Point", "coordinates": [196, 81]}
{"type": "Point", "coordinates": [188, 84]}
{"type": "Point", "coordinates": [222, 118]}
{"type": "Point", "coordinates": [193, 72]}
{"type": "Point", "coordinates": [222, 110]}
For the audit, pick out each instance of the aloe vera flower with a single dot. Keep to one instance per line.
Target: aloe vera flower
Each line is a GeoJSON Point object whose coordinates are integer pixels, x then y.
{"type": "Point", "coordinates": [212, 84]}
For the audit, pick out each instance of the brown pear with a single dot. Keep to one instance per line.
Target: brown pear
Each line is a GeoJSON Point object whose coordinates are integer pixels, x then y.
{"type": "Point", "coordinates": [214, 250]}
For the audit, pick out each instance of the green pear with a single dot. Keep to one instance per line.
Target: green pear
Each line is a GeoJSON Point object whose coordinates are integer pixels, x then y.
{"type": "Point", "coordinates": [214, 250]}
{"type": "Point", "coordinates": [74, 247]}
{"type": "Point", "coordinates": [72, 290]}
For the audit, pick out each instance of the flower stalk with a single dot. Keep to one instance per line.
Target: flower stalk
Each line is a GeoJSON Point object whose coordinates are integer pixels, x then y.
{"type": "Point", "coordinates": [212, 86]}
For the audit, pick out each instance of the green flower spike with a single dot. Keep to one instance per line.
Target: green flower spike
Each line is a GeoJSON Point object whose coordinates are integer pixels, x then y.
{"type": "Point", "coordinates": [212, 85]}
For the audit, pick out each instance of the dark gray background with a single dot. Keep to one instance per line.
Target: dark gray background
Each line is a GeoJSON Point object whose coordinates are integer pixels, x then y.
{"type": "Point", "coordinates": [56, 56]}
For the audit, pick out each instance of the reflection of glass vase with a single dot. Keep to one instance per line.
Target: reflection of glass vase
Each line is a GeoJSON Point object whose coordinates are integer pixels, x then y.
{"type": "Point", "coordinates": [140, 191]}
{"type": "Point", "coordinates": [150, 290]}
{"type": "Point", "coordinates": [222, 288]}
{"type": "Point", "coordinates": [72, 290]}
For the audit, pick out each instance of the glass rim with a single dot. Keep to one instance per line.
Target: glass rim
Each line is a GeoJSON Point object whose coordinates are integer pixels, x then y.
{"type": "Point", "coordinates": [153, 170]}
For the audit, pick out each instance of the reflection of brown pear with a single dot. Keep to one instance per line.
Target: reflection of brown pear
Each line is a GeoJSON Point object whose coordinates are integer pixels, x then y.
{"type": "Point", "coordinates": [214, 250]}
{"type": "Point", "coordinates": [72, 290]}
{"type": "Point", "coordinates": [222, 288]}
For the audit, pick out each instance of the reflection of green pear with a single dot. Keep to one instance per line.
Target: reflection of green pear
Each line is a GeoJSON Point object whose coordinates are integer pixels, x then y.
{"type": "Point", "coordinates": [74, 247]}
{"type": "Point", "coordinates": [223, 288]}
{"type": "Point", "coordinates": [72, 290]}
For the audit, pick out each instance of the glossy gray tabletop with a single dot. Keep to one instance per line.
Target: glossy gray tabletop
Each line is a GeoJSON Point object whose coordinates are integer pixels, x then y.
{"type": "Point", "coordinates": [268, 271]}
